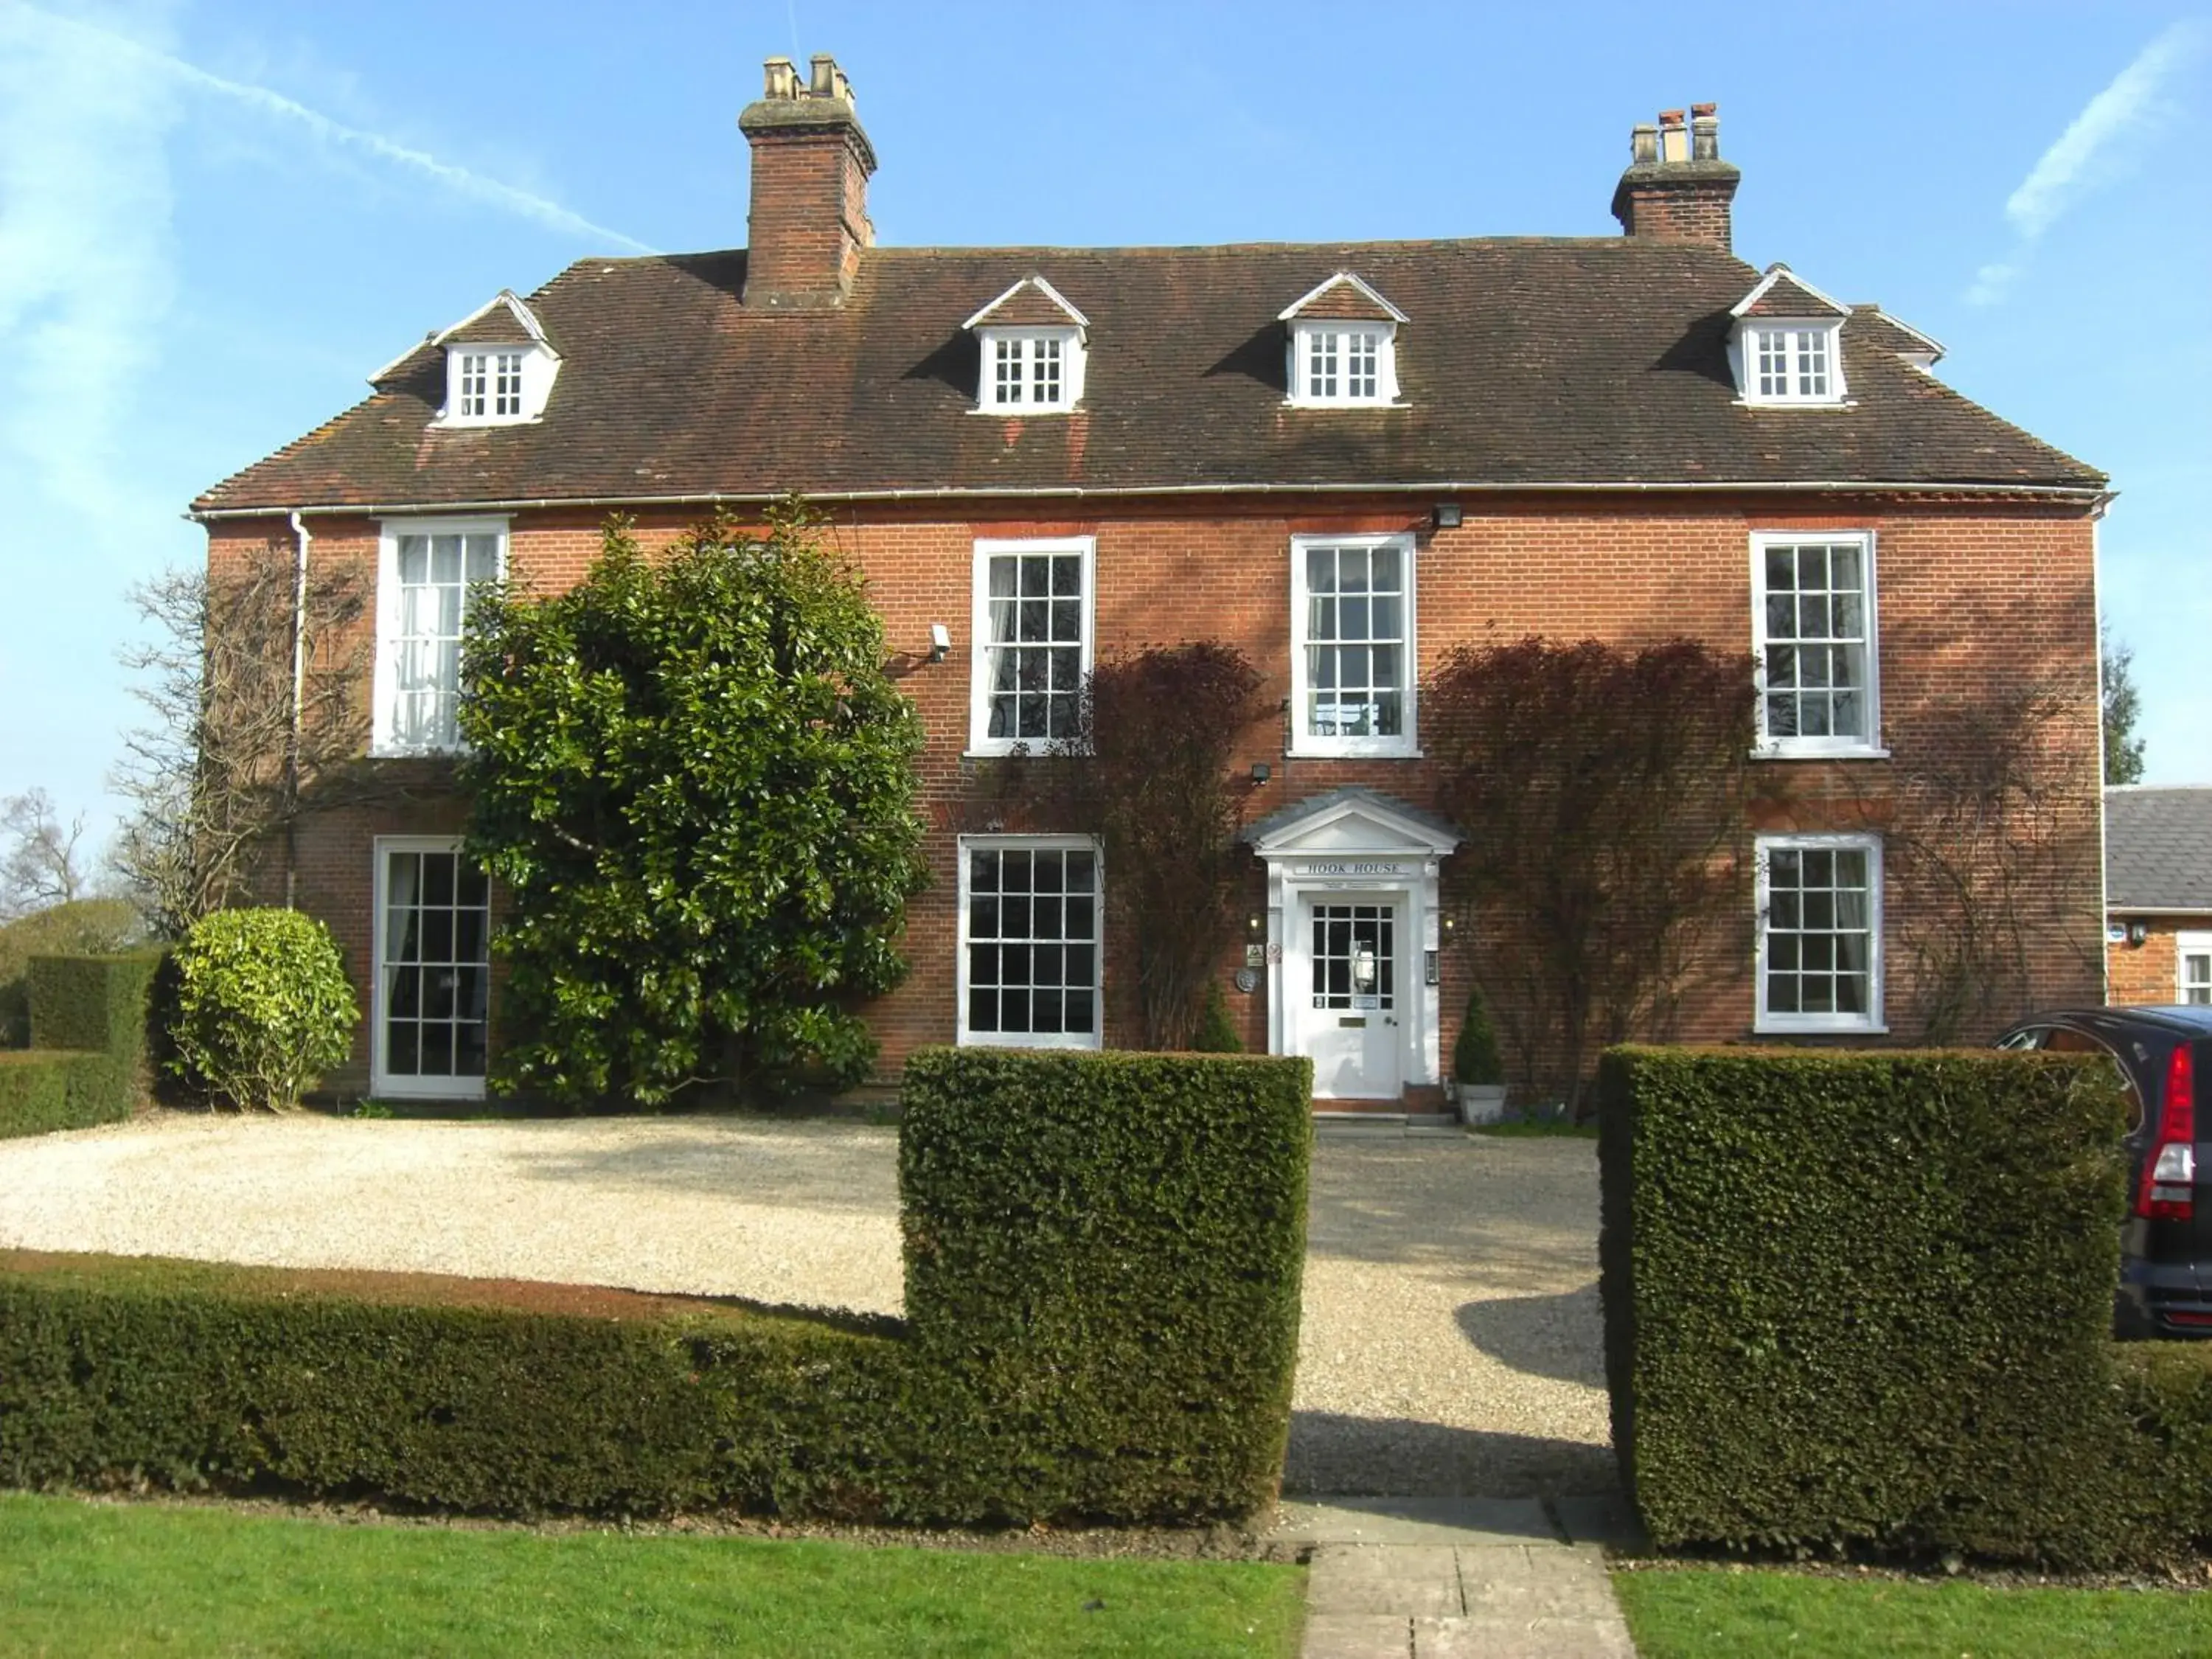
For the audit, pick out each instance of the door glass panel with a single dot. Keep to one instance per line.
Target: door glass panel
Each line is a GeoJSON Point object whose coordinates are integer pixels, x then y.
{"type": "Point", "coordinates": [437, 927]}
{"type": "Point", "coordinates": [1355, 956]}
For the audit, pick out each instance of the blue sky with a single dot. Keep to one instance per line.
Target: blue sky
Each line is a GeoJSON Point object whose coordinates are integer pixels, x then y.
{"type": "Point", "coordinates": [217, 218]}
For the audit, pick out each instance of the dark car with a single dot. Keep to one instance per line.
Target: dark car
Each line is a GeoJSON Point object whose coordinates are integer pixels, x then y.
{"type": "Point", "coordinates": [2166, 1248]}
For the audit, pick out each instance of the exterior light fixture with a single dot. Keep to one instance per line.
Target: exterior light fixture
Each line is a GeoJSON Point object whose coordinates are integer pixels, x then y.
{"type": "Point", "coordinates": [1262, 772]}
{"type": "Point", "coordinates": [940, 641]}
{"type": "Point", "coordinates": [1253, 923]}
{"type": "Point", "coordinates": [1363, 970]}
{"type": "Point", "coordinates": [1444, 515]}
{"type": "Point", "coordinates": [2138, 932]}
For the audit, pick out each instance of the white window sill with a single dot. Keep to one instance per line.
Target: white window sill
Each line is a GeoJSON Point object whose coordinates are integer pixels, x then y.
{"type": "Point", "coordinates": [1796, 403]}
{"type": "Point", "coordinates": [1776, 752]}
{"type": "Point", "coordinates": [1024, 1040]}
{"type": "Point", "coordinates": [1023, 411]}
{"type": "Point", "coordinates": [426, 1088]}
{"type": "Point", "coordinates": [1321, 748]}
{"type": "Point", "coordinates": [442, 424]}
{"type": "Point", "coordinates": [1345, 402]}
{"type": "Point", "coordinates": [1768, 1028]}
{"type": "Point", "coordinates": [420, 751]}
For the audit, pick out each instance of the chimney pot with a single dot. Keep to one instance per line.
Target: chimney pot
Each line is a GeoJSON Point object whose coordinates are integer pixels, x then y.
{"type": "Point", "coordinates": [1643, 144]}
{"type": "Point", "coordinates": [1674, 137]}
{"type": "Point", "coordinates": [781, 76]}
{"type": "Point", "coordinates": [1677, 189]}
{"type": "Point", "coordinates": [825, 75]}
{"type": "Point", "coordinates": [1705, 135]}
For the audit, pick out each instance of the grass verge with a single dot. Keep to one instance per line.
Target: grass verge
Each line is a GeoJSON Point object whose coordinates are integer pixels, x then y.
{"type": "Point", "coordinates": [1722, 1613]}
{"type": "Point", "coordinates": [87, 1579]}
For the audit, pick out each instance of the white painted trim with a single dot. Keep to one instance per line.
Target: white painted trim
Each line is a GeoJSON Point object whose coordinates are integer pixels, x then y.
{"type": "Point", "coordinates": [1042, 286]}
{"type": "Point", "coordinates": [380, 1082]}
{"type": "Point", "coordinates": [2186, 946]}
{"type": "Point", "coordinates": [979, 626]}
{"type": "Point", "coordinates": [1289, 312]}
{"type": "Point", "coordinates": [1800, 748]}
{"type": "Point", "coordinates": [1874, 1022]}
{"type": "Point", "coordinates": [1386, 364]}
{"type": "Point", "coordinates": [963, 1036]}
{"type": "Point", "coordinates": [386, 687]}
{"type": "Point", "coordinates": [1407, 745]}
{"type": "Point", "coordinates": [517, 307]}
{"type": "Point", "coordinates": [1775, 273]}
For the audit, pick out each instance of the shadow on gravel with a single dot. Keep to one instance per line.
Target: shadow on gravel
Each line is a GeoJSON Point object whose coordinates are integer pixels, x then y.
{"type": "Point", "coordinates": [1332, 1454]}
{"type": "Point", "coordinates": [847, 1171]}
{"type": "Point", "coordinates": [1560, 1336]}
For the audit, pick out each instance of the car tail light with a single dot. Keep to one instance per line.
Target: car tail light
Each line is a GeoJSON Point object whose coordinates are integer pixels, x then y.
{"type": "Point", "coordinates": [2169, 1179]}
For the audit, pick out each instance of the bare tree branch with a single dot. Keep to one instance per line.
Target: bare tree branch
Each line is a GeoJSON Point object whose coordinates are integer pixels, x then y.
{"type": "Point", "coordinates": [38, 866]}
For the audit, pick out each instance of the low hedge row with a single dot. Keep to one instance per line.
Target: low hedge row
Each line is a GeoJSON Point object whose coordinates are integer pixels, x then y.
{"type": "Point", "coordinates": [86, 1064]}
{"type": "Point", "coordinates": [1864, 1299]}
{"type": "Point", "coordinates": [1103, 1254]}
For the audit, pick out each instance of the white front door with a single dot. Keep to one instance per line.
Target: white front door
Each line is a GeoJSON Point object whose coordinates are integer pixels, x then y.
{"type": "Point", "coordinates": [1352, 1008]}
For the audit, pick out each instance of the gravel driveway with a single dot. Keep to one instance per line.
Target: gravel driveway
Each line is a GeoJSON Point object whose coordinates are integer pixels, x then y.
{"type": "Point", "coordinates": [1450, 1343]}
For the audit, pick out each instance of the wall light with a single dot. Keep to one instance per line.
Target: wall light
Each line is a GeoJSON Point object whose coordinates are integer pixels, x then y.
{"type": "Point", "coordinates": [1262, 772]}
{"type": "Point", "coordinates": [2138, 932]}
{"type": "Point", "coordinates": [1444, 515]}
{"type": "Point", "coordinates": [940, 641]}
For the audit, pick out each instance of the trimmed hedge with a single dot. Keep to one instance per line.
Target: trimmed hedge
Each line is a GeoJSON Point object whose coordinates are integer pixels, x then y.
{"type": "Point", "coordinates": [1103, 1254]}
{"type": "Point", "coordinates": [1865, 1299]}
{"type": "Point", "coordinates": [87, 1062]}
{"type": "Point", "coordinates": [97, 927]}
{"type": "Point", "coordinates": [448, 1394]}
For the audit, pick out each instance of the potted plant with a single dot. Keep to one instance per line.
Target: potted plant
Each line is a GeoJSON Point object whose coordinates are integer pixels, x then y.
{"type": "Point", "coordinates": [1478, 1073]}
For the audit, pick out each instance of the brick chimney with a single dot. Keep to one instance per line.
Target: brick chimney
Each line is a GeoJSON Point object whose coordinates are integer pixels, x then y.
{"type": "Point", "coordinates": [810, 207]}
{"type": "Point", "coordinates": [1677, 189]}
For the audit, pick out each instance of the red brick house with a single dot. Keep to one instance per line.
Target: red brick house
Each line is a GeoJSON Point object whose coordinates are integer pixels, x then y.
{"type": "Point", "coordinates": [2158, 893]}
{"type": "Point", "coordinates": [1341, 459]}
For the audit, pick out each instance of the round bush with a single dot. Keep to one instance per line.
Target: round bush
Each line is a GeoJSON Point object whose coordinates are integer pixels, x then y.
{"type": "Point", "coordinates": [263, 1007]}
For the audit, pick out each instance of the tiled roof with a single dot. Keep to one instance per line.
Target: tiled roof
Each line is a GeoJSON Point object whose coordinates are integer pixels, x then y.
{"type": "Point", "coordinates": [1895, 334]}
{"type": "Point", "coordinates": [2158, 848]}
{"type": "Point", "coordinates": [1528, 360]}
{"type": "Point", "coordinates": [1032, 304]}
{"type": "Point", "coordinates": [1785, 296]}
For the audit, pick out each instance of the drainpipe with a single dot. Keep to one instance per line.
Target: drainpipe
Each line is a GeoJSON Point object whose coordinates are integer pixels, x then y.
{"type": "Point", "coordinates": [299, 712]}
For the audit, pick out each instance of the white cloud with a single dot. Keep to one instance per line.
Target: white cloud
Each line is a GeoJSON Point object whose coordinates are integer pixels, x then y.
{"type": "Point", "coordinates": [1991, 283]}
{"type": "Point", "coordinates": [2068, 170]}
{"type": "Point", "coordinates": [86, 250]}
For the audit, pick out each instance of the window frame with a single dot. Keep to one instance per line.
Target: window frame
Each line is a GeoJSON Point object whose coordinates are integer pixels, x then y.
{"type": "Point", "coordinates": [1875, 1021]}
{"type": "Point", "coordinates": [415, 1086]}
{"type": "Point", "coordinates": [385, 697]}
{"type": "Point", "coordinates": [1303, 331]}
{"type": "Point", "coordinates": [1406, 744]}
{"type": "Point", "coordinates": [535, 372]}
{"type": "Point", "coordinates": [1095, 1038]}
{"type": "Point", "coordinates": [1072, 367]}
{"type": "Point", "coordinates": [980, 742]}
{"type": "Point", "coordinates": [1747, 353]}
{"type": "Point", "coordinates": [2188, 944]}
{"type": "Point", "coordinates": [1767, 747]}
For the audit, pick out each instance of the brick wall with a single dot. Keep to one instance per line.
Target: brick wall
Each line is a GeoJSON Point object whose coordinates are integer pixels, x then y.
{"type": "Point", "coordinates": [1971, 599]}
{"type": "Point", "coordinates": [2151, 971]}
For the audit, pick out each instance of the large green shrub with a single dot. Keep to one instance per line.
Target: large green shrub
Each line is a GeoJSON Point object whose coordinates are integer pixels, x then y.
{"type": "Point", "coordinates": [88, 1029]}
{"type": "Point", "coordinates": [263, 1006]}
{"type": "Point", "coordinates": [1103, 1262]}
{"type": "Point", "coordinates": [695, 783]}
{"type": "Point", "coordinates": [1865, 1299]}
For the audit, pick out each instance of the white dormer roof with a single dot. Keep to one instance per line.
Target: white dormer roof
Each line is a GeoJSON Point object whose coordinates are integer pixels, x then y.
{"type": "Point", "coordinates": [517, 311]}
{"type": "Point", "coordinates": [1057, 300]}
{"type": "Point", "coordinates": [1780, 276]}
{"type": "Point", "coordinates": [1291, 312]}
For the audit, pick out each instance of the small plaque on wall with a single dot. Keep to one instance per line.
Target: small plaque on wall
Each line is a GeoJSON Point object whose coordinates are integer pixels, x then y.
{"type": "Point", "coordinates": [1255, 956]}
{"type": "Point", "coordinates": [1248, 980]}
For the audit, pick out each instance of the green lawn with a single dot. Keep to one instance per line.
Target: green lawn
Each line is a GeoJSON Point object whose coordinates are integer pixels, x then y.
{"type": "Point", "coordinates": [1718, 1613]}
{"type": "Point", "coordinates": [81, 1578]}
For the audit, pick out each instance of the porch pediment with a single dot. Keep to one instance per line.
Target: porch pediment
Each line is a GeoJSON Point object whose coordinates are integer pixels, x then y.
{"type": "Point", "coordinates": [1351, 821]}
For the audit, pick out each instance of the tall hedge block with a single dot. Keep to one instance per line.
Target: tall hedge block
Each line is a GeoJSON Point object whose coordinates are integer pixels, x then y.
{"type": "Point", "coordinates": [87, 1062]}
{"type": "Point", "coordinates": [1865, 1299]}
{"type": "Point", "coordinates": [1103, 1254]}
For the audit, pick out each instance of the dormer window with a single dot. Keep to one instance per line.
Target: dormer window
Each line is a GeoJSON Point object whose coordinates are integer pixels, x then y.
{"type": "Point", "coordinates": [1343, 346]}
{"type": "Point", "coordinates": [499, 366]}
{"type": "Point", "coordinates": [1033, 352]}
{"type": "Point", "coordinates": [1786, 346]}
